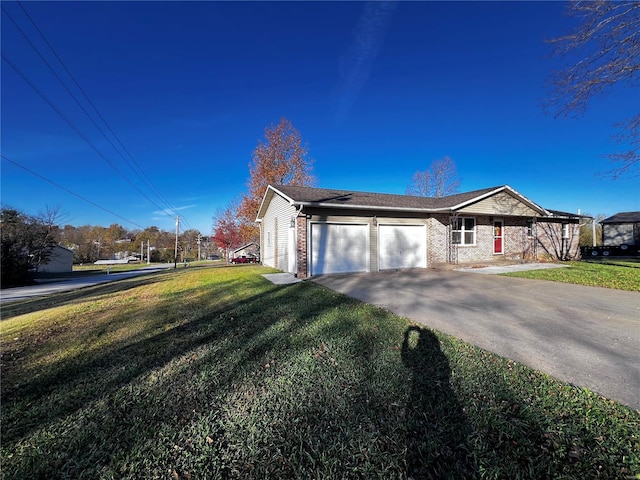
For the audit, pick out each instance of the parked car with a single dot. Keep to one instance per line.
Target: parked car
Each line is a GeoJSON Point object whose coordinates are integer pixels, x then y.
{"type": "Point", "coordinates": [245, 259]}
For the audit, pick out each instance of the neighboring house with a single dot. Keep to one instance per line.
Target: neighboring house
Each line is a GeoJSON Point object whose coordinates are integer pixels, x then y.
{"type": "Point", "coordinates": [313, 231]}
{"type": "Point", "coordinates": [621, 229]}
{"type": "Point", "coordinates": [250, 249]}
{"type": "Point", "coordinates": [60, 260]}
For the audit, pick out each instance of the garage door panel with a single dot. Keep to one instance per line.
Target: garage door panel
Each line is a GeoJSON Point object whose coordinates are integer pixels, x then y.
{"type": "Point", "coordinates": [402, 246]}
{"type": "Point", "coordinates": [339, 248]}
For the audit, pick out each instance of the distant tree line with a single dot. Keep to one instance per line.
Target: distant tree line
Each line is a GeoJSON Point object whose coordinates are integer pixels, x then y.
{"type": "Point", "coordinates": [27, 242]}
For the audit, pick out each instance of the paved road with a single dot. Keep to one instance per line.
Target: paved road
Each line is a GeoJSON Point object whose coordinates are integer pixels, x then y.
{"type": "Point", "coordinates": [20, 293]}
{"type": "Point", "coordinates": [586, 336]}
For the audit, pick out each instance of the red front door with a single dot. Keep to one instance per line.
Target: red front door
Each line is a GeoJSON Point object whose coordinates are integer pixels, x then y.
{"type": "Point", "coordinates": [497, 236]}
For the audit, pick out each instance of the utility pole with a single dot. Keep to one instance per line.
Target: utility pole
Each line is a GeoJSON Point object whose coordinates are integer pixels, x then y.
{"type": "Point", "coordinates": [148, 252]}
{"type": "Point", "coordinates": [175, 259]}
{"type": "Point", "coordinates": [199, 241]}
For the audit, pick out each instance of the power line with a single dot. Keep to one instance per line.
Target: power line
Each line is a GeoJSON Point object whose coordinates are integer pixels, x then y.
{"type": "Point", "coordinates": [75, 129]}
{"type": "Point", "coordinates": [55, 74]}
{"type": "Point", "coordinates": [139, 171]}
{"type": "Point", "coordinates": [4, 157]}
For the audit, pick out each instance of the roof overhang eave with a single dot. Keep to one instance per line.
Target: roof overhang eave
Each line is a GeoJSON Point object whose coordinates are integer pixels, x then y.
{"type": "Point", "coordinates": [267, 195]}
{"type": "Point", "coordinates": [371, 207]}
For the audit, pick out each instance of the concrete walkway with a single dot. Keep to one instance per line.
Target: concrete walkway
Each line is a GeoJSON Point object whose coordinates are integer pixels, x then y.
{"type": "Point", "coordinates": [281, 278]}
{"type": "Point", "coordinates": [520, 267]}
{"type": "Point", "coordinates": [586, 336]}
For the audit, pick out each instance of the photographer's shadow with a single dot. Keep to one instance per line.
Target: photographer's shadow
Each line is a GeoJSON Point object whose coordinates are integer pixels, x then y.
{"type": "Point", "coordinates": [437, 428]}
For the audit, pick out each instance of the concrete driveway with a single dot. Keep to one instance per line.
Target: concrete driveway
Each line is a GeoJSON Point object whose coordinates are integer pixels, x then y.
{"type": "Point", "coordinates": [586, 336]}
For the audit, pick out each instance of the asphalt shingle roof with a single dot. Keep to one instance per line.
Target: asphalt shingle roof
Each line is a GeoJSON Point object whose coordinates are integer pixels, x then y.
{"type": "Point", "coordinates": [355, 198]}
{"type": "Point", "coordinates": [623, 217]}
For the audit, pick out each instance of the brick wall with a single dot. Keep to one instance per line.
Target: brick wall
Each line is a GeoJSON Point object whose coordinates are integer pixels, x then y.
{"type": "Point", "coordinates": [551, 245]}
{"type": "Point", "coordinates": [517, 244]}
{"type": "Point", "coordinates": [301, 239]}
{"type": "Point", "coordinates": [438, 240]}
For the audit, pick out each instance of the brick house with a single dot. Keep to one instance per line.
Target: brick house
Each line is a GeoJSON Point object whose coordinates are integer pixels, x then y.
{"type": "Point", "coordinates": [313, 231]}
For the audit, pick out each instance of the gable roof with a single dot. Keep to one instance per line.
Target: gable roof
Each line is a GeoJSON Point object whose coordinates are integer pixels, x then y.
{"type": "Point", "coordinates": [301, 196]}
{"type": "Point", "coordinates": [559, 214]}
{"type": "Point", "coordinates": [62, 247]}
{"type": "Point", "coordinates": [623, 217]}
{"type": "Point", "coordinates": [242, 247]}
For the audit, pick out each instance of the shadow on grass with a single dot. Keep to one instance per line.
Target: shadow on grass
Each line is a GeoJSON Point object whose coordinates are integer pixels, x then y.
{"type": "Point", "coordinates": [437, 429]}
{"type": "Point", "coordinates": [243, 379]}
{"type": "Point", "coordinates": [116, 397]}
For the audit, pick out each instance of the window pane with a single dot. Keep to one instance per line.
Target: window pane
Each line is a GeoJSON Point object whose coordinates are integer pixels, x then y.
{"type": "Point", "coordinates": [455, 237]}
{"type": "Point", "coordinates": [468, 238]}
{"type": "Point", "coordinates": [457, 224]}
{"type": "Point", "coordinates": [469, 223]}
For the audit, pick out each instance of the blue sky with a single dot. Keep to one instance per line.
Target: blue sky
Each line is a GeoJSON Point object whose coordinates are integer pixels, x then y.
{"type": "Point", "coordinates": [378, 91]}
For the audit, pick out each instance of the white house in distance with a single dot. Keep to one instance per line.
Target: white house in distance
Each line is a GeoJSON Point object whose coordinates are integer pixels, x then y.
{"type": "Point", "coordinates": [61, 260]}
{"type": "Point", "coordinates": [248, 249]}
{"type": "Point", "coordinates": [314, 231]}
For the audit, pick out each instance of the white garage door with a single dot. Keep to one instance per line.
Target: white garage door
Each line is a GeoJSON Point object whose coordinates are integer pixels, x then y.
{"type": "Point", "coordinates": [339, 248]}
{"type": "Point", "coordinates": [402, 246]}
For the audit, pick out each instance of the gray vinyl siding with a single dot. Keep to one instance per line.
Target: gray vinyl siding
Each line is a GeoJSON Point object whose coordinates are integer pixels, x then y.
{"type": "Point", "coordinates": [275, 225]}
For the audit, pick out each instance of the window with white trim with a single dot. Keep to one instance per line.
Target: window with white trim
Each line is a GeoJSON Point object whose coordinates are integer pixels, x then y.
{"type": "Point", "coordinates": [463, 231]}
{"type": "Point", "coordinates": [531, 229]}
{"type": "Point", "coordinates": [269, 240]}
{"type": "Point", "coordinates": [565, 230]}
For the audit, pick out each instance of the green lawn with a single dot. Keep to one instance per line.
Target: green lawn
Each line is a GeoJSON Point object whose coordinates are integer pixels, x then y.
{"type": "Point", "coordinates": [216, 373]}
{"type": "Point", "coordinates": [621, 275]}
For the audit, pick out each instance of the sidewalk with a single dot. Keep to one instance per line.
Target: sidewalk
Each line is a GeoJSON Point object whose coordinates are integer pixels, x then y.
{"type": "Point", "coordinates": [520, 267]}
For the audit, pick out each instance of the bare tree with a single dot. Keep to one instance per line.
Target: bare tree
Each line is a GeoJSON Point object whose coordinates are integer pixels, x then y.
{"type": "Point", "coordinates": [420, 184]}
{"type": "Point", "coordinates": [591, 227]}
{"type": "Point", "coordinates": [604, 50]}
{"type": "Point", "coordinates": [440, 180]}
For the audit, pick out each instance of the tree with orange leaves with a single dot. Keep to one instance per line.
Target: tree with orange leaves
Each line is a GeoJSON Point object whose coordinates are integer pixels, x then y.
{"type": "Point", "coordinates": [281, 159]}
